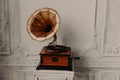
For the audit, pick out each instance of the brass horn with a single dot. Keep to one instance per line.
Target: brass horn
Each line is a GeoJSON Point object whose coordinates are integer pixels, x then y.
{"type": "Point", "coordinates": [43, 24]}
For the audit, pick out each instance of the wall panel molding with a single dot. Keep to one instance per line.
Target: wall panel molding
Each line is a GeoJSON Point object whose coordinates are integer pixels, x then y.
{"type": "Point", "coordinates": [93, 50]}
{"type": "Point", "coordinates": [17, 73]}
{"type": "Point", "coordinates": [109, 75]}
{"type": "Point", "coordinates": [15, 30]}
{"type": "Point", "coordinates": [5, 74]}
{"type": "Point", "coordinates": [4, 27]}
{"type": "Point", "coordinates": [111, 37]}
{"type": "Point", "coordinates": [10, 39]}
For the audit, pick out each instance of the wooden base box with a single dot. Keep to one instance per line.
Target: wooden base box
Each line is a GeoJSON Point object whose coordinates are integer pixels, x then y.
{"type": "Point", "coordinates": [55, 57]}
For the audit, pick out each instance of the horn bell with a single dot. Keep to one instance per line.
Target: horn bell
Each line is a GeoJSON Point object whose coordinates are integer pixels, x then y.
{"type": "Point", "coordinates": [43, 24]}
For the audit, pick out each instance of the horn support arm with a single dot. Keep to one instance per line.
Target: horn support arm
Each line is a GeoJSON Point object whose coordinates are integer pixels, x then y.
{"type": "Point", "coordinates": [54, 42]}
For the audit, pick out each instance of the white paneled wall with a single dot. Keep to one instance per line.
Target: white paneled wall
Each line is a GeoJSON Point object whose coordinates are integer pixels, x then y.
{"type": "Point", "coordinates": [90, 27]}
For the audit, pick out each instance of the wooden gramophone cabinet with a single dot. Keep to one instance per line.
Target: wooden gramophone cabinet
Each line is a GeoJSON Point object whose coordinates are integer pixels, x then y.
{"type": "Point", "coordinates": [56, 58]}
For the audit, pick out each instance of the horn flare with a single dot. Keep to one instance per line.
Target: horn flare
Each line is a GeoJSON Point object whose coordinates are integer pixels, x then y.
{"type": "Point", "coordinates": [43, 24]}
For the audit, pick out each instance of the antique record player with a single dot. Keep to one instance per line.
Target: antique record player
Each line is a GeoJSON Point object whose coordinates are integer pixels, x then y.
{"type": "Point", "coordinates": [42, 25]}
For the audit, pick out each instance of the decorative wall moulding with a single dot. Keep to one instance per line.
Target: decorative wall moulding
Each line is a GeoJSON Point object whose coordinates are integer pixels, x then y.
{"type": "Point", "coordinates": [5, 74]}
{"type": "Point", "coordinates": [9, 26]}
{"type": "Point", "coordinates": [4, 27]}
{"type": "Point", "coordinates": [109, 75]}
{"type": "Point", "coordinates": [112, 30]}
{"type": "Point", "coordinates": [93, 49]}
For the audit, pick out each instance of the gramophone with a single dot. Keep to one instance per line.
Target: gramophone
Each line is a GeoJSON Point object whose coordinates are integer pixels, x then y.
{"type": "Point", "coordinates": [43, 25]}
